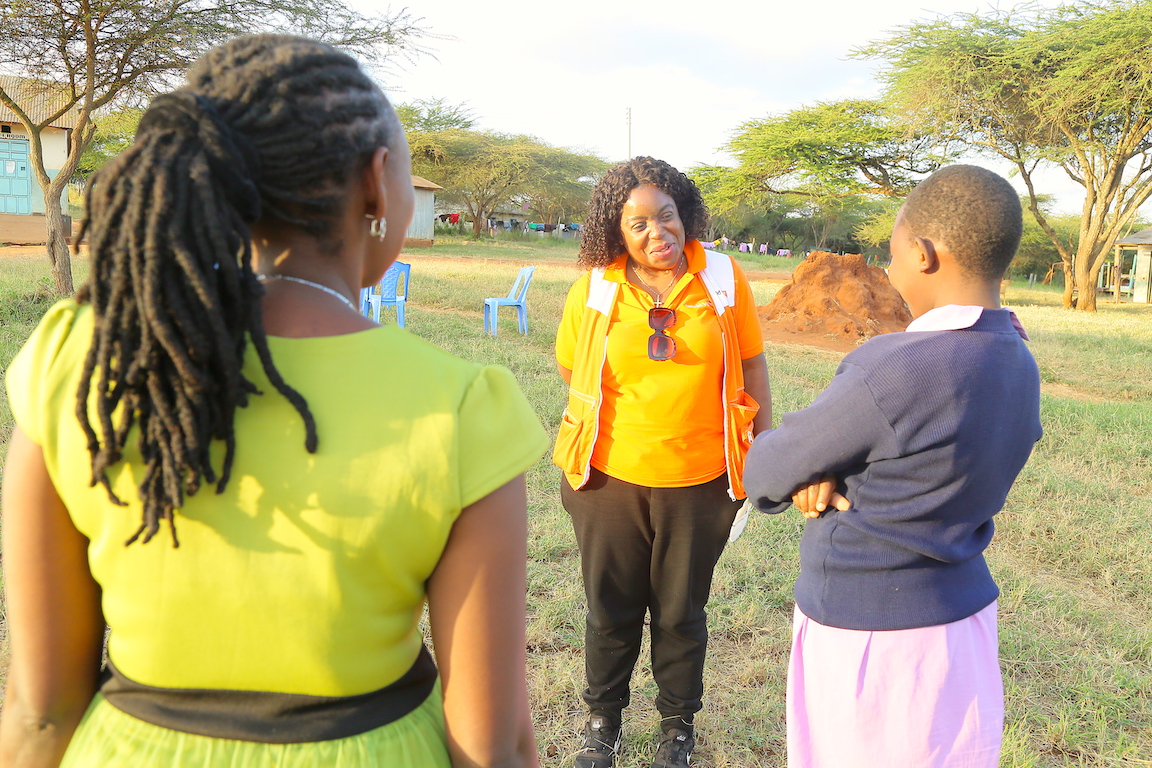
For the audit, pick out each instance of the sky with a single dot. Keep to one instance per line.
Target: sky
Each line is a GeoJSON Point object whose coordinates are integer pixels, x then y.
{"type": "Point", "coordinates": [690, 72]}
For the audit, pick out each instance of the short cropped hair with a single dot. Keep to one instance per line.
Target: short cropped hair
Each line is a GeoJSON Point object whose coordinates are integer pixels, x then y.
{"type": "Point", "coordinates": [972, 211]}
{"type": "Point", "coordinates": [602, 242]}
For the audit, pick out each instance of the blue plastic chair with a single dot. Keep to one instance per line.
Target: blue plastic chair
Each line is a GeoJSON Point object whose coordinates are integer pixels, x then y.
{"type": "Point", "coordinates": [393, 293]}
{"type": "Point", "coordinates": [517, 297]}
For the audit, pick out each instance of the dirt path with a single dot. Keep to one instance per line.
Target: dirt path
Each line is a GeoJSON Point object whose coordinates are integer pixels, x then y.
{"type": "Point", "coordinates": [777, 337]}
{"type": "Point", "coordinates": [772, 335]}
{"type": "Point", "coordinates": [22, 250]}
{"type": "Point", "coordinates": [775, 277]}
{"type": "Point", "coordinates": [32, 251]}
{"type": "Point", "coordinates": [757, 275]}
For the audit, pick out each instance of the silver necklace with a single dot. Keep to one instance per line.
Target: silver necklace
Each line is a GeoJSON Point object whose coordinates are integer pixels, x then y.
{"type": "Point", "coordinates": [302, 281]}
{"type": "Point", "coordinates": [659, 295]}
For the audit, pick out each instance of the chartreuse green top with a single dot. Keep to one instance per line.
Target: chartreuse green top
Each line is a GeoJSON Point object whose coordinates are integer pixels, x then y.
{"type": "Point", "coordinates": [307, 574]}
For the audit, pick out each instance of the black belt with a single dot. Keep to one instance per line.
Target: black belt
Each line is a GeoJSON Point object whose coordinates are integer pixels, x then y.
{"type": "Point", "coordinates": [266, 716]}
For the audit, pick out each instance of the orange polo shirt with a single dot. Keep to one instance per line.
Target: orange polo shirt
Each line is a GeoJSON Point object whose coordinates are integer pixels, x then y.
{"type": "Point", "coordinates": [662, 422]}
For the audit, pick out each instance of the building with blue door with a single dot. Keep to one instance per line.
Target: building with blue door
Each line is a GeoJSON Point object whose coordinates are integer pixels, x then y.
{"type": "Point", "coordinates": [15, 176]}
{"type": "Point", "coordinates": [22, 202]}
{"type": "Point", "coordinates": [20, 194]}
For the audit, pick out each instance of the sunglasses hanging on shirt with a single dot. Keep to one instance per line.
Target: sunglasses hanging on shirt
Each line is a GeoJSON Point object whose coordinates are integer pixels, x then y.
{"type": "Point", "coordinates": [660, 345]}
{"type": "Point", "coordinates": [660, 318]}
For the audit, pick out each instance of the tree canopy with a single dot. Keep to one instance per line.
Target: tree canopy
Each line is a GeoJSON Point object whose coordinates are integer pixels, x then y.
{"type": "Point", "coordinates": [831, 149]}
{"type": "Point", "coordinates": [794, 222]}
{"type": "Point", "coordinates": [484, 170]}
{"type": "Point", "coordinates": [821, 168]}
{"type": "Point", "coordinates": [92, 54]}
{"type": "Point", "coordinates": [431, 115]}
{"type": "Point", "coordinates": [560, 187]}
{"type": "Point", "coordinates": [114, 133]}
{"type": "Point", "coordinates": [1067, 87]}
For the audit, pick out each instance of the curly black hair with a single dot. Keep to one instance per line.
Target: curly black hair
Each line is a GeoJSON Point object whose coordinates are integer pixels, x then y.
{"type": "Point", "coordinates": [602, 241]}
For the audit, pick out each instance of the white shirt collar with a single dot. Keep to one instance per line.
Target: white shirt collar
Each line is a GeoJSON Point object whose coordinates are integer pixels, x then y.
{"type": "Point", "coordinates": [954, 317]}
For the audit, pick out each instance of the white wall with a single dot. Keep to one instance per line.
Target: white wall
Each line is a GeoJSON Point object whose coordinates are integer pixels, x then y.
{"type": "Point", "coordinates": [424, 217]}
{"type": "Point", "coordinates": [1141, 272]}
{"type": "Point", "coordinates": [55, 143]}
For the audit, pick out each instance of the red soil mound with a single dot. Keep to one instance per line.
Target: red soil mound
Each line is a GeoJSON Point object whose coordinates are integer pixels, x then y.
{"type": "Point", "coordinates": [837, 298]}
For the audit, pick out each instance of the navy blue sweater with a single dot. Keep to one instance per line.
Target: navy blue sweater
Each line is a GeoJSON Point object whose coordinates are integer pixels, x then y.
{"type": "Point", "coordinates": [926, 432]}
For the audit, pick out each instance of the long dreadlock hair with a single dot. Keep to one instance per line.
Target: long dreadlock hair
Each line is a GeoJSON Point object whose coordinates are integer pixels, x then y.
{"type": "Point", "coordinates": [268, 126]}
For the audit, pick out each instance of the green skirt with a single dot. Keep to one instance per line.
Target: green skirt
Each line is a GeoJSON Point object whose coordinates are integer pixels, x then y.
{"type": "Point", "coordinates": [109, 738]}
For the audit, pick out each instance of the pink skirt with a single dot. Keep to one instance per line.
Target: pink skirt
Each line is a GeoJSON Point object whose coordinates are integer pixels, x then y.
{"type": "Point", "coordinates": [929, 697]}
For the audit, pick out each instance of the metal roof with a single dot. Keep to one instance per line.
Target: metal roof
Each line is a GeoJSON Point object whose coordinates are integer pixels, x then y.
{"type": "Point", "coordinates": [1143, 237]}
{"type": "Point", "coordinates": [421, 183]}
{"type": "Point", "coordinates": [39, 99]}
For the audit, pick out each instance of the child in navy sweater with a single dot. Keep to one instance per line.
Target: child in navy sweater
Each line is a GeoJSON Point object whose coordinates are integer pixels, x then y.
{"type": "Point", "coordinates": [900, 466]}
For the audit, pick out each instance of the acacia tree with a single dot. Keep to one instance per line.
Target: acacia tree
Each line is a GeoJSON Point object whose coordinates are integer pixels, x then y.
{"type": "Point", "coordinates": [823, 165]}
{"type": "Point", "coordinates": [832, 224]}
{"type": "Point", "coordinates": [114, 133]}
{"type": "Point", "coordinates": [763, 216]}
{"type": "Point", "coordinates": [562, 184]}
{"type": "Point", "coordinates": [431, 115]}
{"type": "Point", "coordinates": [1067, 87]}
{"type": "Point", "coordinates": [483, 170]}
{"type": "Point", "coordinates": [477, 169]}
{"type": "Point", "coordinates": [1036, 254]}
{"type": "Point", "coordinates": [88, 54]}
{"type": "Point", "coordinates": [830, 149]}
{"type": "Point", "coordinates": [876, 230]}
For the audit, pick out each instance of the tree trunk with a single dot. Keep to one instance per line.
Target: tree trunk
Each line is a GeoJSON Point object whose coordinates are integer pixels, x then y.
{"type": "Point", "coordinates": [58, 254]}
{"type": "Point", "coordinates": [53, 188]}
{"type": "Point", "coordinates": [1069, 286]}
{"type": "Point", "coordinates": [479, 222]}
{"type": "Point", "coordinates": [1086, 274]}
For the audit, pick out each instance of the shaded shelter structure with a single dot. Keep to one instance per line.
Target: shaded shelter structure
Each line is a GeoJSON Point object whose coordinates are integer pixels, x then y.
{"type": "Point", "coordinates": [1138, 283]}
{"type": "Point", "coordinates": [422, 230]}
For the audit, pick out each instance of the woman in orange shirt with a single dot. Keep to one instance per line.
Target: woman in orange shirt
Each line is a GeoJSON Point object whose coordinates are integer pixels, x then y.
{"type": "Point", "coordinates": [661, 347]}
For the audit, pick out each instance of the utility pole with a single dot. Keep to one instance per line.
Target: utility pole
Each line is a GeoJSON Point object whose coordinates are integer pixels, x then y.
{"type": "Point", "coordinates": [629, 121]}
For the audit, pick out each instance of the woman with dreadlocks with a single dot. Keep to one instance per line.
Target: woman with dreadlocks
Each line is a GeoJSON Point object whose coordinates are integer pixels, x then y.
{"type": "Point", "coordinates": [274, 621]}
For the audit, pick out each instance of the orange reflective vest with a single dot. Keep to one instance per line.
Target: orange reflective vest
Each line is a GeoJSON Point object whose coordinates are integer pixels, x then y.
{"type": "Point", "coordinates": [581, 421]}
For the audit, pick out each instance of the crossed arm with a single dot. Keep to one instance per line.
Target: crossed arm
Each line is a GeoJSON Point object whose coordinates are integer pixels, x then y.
{"type": "Point", "coordinates": [800, 460]}
{"type": "Point", "coordinates": [811, 499]}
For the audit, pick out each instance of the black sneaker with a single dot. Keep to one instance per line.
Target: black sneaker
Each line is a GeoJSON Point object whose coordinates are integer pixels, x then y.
{"type": "Point", "coordinates": [675, 748]}
{"type": "Point", "coordinates": [601, 743]}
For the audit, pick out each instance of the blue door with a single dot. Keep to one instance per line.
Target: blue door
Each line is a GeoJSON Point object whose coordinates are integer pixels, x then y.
{"type": "Point", "coordinates": [15, 177]}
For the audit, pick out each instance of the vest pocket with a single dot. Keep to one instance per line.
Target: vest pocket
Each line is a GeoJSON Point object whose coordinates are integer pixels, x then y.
{"type": "Point", "coordinates": [568, 453]}
{"type": "Point", "coordinates": [743, 413]}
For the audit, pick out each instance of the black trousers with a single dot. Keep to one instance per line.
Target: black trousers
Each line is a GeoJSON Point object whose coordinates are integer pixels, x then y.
{"type": "Point", "coordinates": [647, 549]}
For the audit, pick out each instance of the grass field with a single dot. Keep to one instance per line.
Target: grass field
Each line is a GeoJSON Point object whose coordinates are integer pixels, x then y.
{"type": "Point", "coordinates": [1072, 552]}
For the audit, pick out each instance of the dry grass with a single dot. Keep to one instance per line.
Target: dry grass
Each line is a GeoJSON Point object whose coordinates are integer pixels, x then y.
{"type": "Point", "coordinates": [1071, 554]}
